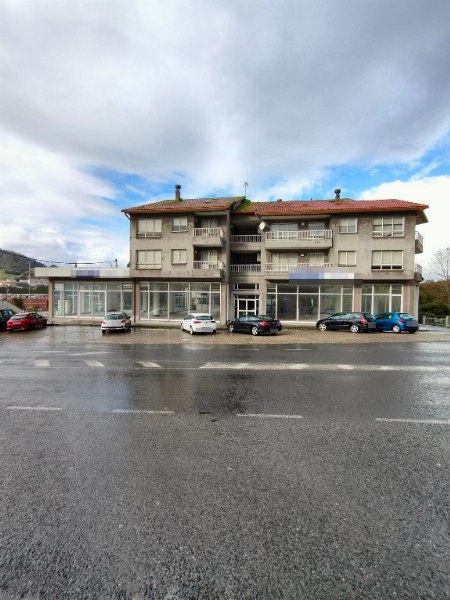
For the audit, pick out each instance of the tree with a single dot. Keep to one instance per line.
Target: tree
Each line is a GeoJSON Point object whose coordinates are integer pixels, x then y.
{"type": "Point", "coordinates": [441, 270]}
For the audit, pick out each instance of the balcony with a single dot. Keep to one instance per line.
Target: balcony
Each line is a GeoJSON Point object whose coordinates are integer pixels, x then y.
{"type": "Point", "coordinates": [418, 243]}
{"type": "Point", "coordinates": [207, 236]}
{"type": "Point", "coordinates": [253, 268]}
{"type": "Point", "coordinates": [314, 239]}
{"type": "Point", "coordinates": [288, 267]}
{"type": "Point", "coordinates": [205, 268]}
{"type": "Point", "coordinates": [418, 276]}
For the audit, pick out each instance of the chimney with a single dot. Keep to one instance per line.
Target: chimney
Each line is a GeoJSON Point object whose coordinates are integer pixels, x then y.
{"type": "Point", "coordinates": [178, 193]}
{"type": "Point", "coordinates": [337, 192]}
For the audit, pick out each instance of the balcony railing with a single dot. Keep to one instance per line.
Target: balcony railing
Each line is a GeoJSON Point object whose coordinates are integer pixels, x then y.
{"type": "Point", "coordinates": [418, 269]}
{"type": "Point", "coordinates": [313, 234]}
{"type": "Point", "coordinates": [245, 268]}
{"type": "Point", "coordinates": [206, 265]}
{"type": "Point", "coordinates": [418, 236]}
{"type": "Point", "coordinates": [208, 232]}
{"type": "Point", "coordinates": [288, 267]}
{"type": "Point", "coordinates": [245, 239]}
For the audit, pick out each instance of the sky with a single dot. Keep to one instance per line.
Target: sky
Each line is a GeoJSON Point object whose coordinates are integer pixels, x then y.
{"type": "Point", "coordinates": [106, 104]}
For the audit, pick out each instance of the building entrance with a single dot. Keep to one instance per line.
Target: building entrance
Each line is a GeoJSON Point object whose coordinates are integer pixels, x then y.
{"type": "Point", "coordinates": [246, 305]}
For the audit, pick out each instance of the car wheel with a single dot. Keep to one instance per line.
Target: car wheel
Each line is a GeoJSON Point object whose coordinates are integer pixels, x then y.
{"type": "Point", "coordinates": [231, 328]}
{"type": "Point", "coordinates": [214, 331]}
{"type": "Point", "coordinates": [396, 329]}
{"type": "Point", "coordinates": [255, 330]}
{"type": "Point", "coordinates": [322, 326]}
{"type": "Point", "coordinates": [354, 328]}
{"type": "Point", "coordinates": [191, 331]}
{"type": "Point", "coordinates": [412, 332]}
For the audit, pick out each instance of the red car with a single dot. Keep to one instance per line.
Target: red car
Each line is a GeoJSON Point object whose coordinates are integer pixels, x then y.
{"type": "Point", "coordinates": [25, 320]}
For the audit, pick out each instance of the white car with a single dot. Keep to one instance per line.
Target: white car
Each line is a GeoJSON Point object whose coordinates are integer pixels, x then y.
{"type": "Point", "coordinates": [198, 323]}
{"type": "Point", "coordinates": [116, 321]}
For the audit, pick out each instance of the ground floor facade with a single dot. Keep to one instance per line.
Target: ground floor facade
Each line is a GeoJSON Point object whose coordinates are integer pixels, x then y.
{"type": "Point", "coordinates": [167, 301]}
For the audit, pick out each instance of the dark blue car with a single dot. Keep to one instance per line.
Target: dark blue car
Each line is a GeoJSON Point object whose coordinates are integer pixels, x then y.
{"type": "Point", "coordinates": [396, 322]}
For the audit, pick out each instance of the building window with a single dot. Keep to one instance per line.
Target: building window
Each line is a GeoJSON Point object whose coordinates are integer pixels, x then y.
{"type": "Point", "coordinates": [171, 301]}
{"type": "Point", "coordinates": [389, 260]}
{"type": "Point", "coordinates": [179, 224]}
{"type": "Point", "coordinates": [151, 228]}
{"type": "Point", "coordinates": [316, 258]}
{"type": "Point", "coordinates": [348, 225]}
{"type": "Point", "coordinates": [179, 257]}
{"type": "Point", "coordinates": [347, 258]}
{"type": "Point", "coordinates": [388, 227]}
{"type": "Point", "coordinates": [148, 259]}
{"type": "Point", "coordinates": [381, 298]}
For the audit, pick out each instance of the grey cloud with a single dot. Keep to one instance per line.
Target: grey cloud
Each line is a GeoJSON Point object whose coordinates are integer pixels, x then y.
{"type": "Point", "coordinates": [223, 90]}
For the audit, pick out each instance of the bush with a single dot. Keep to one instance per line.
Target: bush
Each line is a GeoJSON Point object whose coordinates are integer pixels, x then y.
{"type": "Point", "coordinates": [433, 309]}
{"type": "Point", "coordinates": [17, 302]}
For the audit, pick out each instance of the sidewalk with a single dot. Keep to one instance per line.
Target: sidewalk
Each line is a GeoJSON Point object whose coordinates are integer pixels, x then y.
{"type": "Point", "coordinates": [82, 334]}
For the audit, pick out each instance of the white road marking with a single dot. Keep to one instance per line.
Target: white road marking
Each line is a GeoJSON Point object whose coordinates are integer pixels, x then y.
{"type": "Point", "coordinates": [88, 353]}
{"type": "Point", "coordinates": [94, 363]}
{"type": "Point", "coordinates": [47, 408]}
{"type": "Point", "coordinates": [420, 421]}
{"type": "Point", "coordinates": [269, 416]}
{"type": "Point", "coordinates": [41, 362]}
{"type": "Point", "coordinates": [148, 412]}
{"type": "Point", "coordinates": [147, 364]}
{"type": "Point", "coordinates": [298, 349]}
{"type": "Point", "coordinates": [323, 367]}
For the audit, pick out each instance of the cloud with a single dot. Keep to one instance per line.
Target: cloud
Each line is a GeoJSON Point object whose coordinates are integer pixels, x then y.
{"type": "Point", "coordinates": [44, 198]}
{"type": "Point", "coordinates": [206, 94]}
{"type": "Point", "coordinates": [221, 91]}
{"type": "Point", "coordinates": [433, 191]}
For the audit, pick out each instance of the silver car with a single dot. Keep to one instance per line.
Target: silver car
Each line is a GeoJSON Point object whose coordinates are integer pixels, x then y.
{"type": "Point", "coordinates": [116, 321]}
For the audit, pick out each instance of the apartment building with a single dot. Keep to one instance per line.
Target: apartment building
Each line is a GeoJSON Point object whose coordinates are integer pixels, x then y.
{"type": "Point", "coordinates": [295, 260]}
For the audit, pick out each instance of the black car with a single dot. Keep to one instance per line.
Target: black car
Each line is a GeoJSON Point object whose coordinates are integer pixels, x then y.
{"type": "Point", "coordinates": [255, 324]}
{"type": "Point", "coordinates": [5, 315]}
{"type": "Point", "coordinates": [349, 321]}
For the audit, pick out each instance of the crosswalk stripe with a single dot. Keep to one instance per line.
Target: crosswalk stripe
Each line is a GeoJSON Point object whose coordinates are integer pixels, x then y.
{"type": "Point", "coordinates": [41, 362]}
{"type": "Point", "coordinates": [148, 365]}
{"type": "Point", "coordinates": [94, 363]}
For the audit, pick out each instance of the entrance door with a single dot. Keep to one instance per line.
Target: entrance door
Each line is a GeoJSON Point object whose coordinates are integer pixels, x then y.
{"type": "Point", "coordinates": [246, 305]}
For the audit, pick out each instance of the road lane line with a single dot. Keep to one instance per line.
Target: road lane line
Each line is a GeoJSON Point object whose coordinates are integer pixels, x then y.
{"type": "Point", "coordinates": [420, 421]}
{"type": "Point", "coordinates": [147, 364]}
{"type": "Point", "coordinates": [148, 412]}
{"type": "Point", "coordinates": [268, 416]}
{"type": "Point", "coordinates": [94, 363]}
{"type": "Point", "coordinates": [43, 408]}
{"type": "Point", "coordinates": [324, 367]}
{"type": "Point", "coordinates": [41, 362]}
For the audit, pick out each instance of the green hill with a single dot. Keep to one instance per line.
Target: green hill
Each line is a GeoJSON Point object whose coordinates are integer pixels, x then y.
{"type": "Point", "coordinates": [15, 265]}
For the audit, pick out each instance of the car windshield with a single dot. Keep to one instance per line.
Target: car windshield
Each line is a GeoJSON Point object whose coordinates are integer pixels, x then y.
{"type": "Point", "coordinates": [405, 316]}
{"type": "Point", "coordinates": [204, 317]}
{"type": "Point", "coordinates": [115, 317]}
{"type": "Point", "coordinates": [264, 318]}
{"type": "Point", "coordinates": [19, 317]}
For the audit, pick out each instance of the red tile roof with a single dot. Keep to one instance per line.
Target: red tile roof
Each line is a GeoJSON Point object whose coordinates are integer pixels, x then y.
{"type": "Point", "coordinates": [345, 205]}
{"type": "Point", "coordinates": [185, 205]}
{"type": "Point", "coordinates": [284, 207]}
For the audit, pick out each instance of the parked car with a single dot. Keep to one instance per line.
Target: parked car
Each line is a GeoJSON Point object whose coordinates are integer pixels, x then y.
{"type": "Point", "coordinates": [396, 322]}
{"type": "Point", "coordinates": [5, 315]}
{"type": "Point", "coordinates": [255, 324]}
{"type": "Point", "coordinates": [349, 321]}
{"type": "Point", "coordinates": [198, 323]}
{"type": "Point", "coordinates": [116, 321]}
{"type": "Point", "coordinates": [25, 320]}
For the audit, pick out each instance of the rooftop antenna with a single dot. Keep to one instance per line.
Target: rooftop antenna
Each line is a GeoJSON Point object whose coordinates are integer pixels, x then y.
{"type": "Point", "coordinates": [245, 188]}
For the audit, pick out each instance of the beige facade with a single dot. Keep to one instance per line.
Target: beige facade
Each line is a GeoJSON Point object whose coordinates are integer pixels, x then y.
{"type": "Point", "coordinates": [294, 260]}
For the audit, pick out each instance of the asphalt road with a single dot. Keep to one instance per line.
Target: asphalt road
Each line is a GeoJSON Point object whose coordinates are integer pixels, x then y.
{"type": "Point", "coordinates": [238, 471]}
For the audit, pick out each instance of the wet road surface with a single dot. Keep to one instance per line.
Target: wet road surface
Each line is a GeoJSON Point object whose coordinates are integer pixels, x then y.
{"type": "Point", "coordinates": [188, 471]}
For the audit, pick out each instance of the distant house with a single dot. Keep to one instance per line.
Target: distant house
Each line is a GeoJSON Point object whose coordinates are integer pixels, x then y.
{"type": "Point", "coordinates": [295, 260]}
